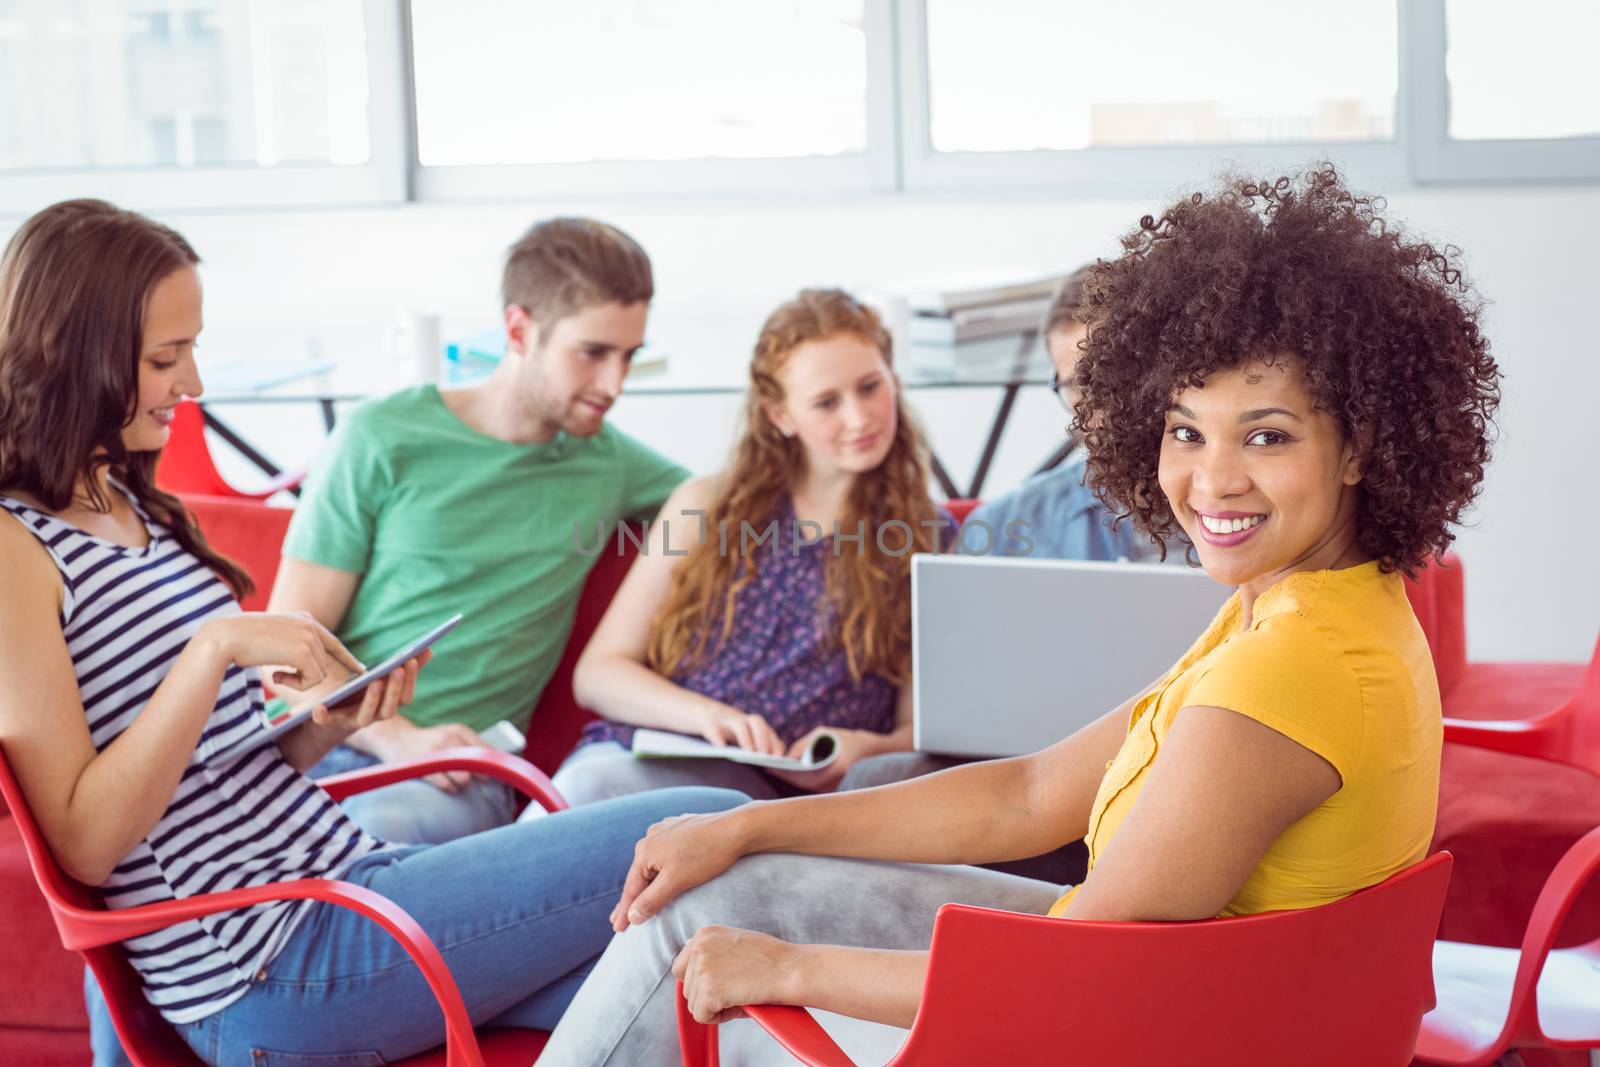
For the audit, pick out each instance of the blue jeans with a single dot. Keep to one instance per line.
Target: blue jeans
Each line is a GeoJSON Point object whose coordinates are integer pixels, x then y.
{"type": "Point", "coordinates": [412, 813]}
{"type": "Point", "coordinates": [519, 914]}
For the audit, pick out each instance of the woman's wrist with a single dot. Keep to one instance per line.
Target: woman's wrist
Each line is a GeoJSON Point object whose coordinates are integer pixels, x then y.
{"type": "Point", "coordinates": [749, 826]}
{"type": "Point", "coordinates": [210, 643]}
{"type": "Point", "coordinates": [797, 979]}
{"type": "Point", "coordinates": [708, 713]}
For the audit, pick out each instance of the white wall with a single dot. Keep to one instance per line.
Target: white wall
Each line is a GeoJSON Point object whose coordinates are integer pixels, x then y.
{"type": "Point", "coordinates": [1533, 588]}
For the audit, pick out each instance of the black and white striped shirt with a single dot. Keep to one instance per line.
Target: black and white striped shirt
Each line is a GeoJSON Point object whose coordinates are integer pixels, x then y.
{"type": "Point", "coordinates": [126, 614]}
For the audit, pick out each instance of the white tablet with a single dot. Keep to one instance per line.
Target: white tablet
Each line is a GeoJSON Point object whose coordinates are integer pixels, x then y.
{"type": "Point", "coordinates": [286, 719]}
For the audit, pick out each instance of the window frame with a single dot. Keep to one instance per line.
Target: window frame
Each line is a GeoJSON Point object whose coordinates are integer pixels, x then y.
{"type": "Point", "coordinates": [383, 179]}
{"type": "Point", "coordinates": [899, 157]}
{"type": "Point", "coordinates": [1107, 169]}
{"type": "Point", "coordinates": [1439, 159]}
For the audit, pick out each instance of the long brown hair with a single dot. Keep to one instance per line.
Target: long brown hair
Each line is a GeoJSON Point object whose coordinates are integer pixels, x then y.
{"type": "Point", "coordinates": [869, 590]}
{"type": "Point", "coordinates": [74, 283]}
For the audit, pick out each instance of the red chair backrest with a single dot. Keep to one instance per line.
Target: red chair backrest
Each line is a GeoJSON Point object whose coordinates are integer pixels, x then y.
{"type": "Point", "coordinates": [146, 1035]}
{"type": "Point", "coordinates": [961, 508]}
{"type": "Point", "coordinates": [186, 465]}
{"type": "Point", "coordinates": [558, 718]}
{"type": "Point", "coordinates": [1346, 983]}
{"type": "Point", "coordinates": [248, 533]}
{"type": "Point", "coordinates": [1438, 597]}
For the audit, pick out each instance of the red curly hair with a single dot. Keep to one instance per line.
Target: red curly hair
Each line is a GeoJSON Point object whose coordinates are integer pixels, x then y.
{"type": "Point", "coordinates": [868, 591]}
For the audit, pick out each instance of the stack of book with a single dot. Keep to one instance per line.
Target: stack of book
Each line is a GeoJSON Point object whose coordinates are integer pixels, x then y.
{"type": "Point", "coordinates": [953, 314]}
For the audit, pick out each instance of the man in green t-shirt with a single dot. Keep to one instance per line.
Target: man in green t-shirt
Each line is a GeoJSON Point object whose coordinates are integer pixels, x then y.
{"type": "Point", "coordinates": [427, 503]}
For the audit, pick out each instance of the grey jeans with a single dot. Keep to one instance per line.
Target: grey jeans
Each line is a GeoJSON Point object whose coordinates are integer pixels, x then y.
{"type": "Point", "coordinates": [626, 1012]}
{"type": "Point", "coordinates": [604, 769]}
{"type": "Point", "coordinates": [417, 812]}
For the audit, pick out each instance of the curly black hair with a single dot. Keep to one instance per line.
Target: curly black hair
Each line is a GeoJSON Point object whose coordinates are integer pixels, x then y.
{"type": "Point", "coordinates": [1386, 329]}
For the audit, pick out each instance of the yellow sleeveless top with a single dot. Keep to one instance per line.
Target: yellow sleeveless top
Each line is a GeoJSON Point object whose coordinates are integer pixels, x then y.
{"type": "Point", "coordinates": [1336, 661]}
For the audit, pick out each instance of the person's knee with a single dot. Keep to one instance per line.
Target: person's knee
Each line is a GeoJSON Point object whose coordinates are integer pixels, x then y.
{"type": "Point", "coordinates": [887, 769]}
{"type": "Point", "coordinates": [744, 895]}
{"type": "Point", "coordinates": [600, 777]}
{"type": "Point", "coordinates": [705, 799]}
{"type": "Point", "coordinates": [658, 804]}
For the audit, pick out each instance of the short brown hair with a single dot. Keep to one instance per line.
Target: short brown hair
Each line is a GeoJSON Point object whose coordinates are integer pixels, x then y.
{"type": "Point", "coordinates": [563, 265]}
{"type": "Point", "coordinates": [1067, 307]}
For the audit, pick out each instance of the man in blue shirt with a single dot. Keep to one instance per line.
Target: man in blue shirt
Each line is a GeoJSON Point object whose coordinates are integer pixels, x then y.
{"type": "Point", "coordinates": [1053, 515]}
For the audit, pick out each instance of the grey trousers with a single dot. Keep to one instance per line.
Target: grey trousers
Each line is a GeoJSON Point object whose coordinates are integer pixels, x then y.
{"type": "Point", "coordinates": [416, 812]}
{"type": "Point", "coordinates": [626, 1012]}
{"type": "Point", "coordinates": [605, 769]}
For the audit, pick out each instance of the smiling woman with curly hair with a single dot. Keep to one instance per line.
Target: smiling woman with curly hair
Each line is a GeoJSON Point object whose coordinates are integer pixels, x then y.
{"type": "Point", "coordinates": [1307, 277]}
{"type": "Point", "coordinates": [1278, 376]}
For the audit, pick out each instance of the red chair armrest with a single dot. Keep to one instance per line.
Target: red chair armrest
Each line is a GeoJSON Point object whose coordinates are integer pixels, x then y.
{"type": "Point", "coordinates": [794, 1028]}
{"type": "Point", "coordinates": [88, 929]}
{"type": "Point", "coordinates": [514, 771]}
{"type": "Point", "coordinates": [1561, 889]}
{"type": "Point", "coordinates": [1540, 737]}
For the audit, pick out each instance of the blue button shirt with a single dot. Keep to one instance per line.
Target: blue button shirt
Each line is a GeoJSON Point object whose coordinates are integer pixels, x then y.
{"type": "Point", "coordinates": [1052, 515]}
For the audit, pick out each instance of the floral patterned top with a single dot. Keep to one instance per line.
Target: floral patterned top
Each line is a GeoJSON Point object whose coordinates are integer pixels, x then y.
{"type": "Point", "coordinates": [780, 660]}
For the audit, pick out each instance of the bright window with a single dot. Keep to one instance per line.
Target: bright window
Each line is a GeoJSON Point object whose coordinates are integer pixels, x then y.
{"type": "Point", "coordinates": [1522, 71]}
{"type": "Point", "coordinates": [511, 82]}
{"type": "Point", "coordinates": [182, 83]}
{"type": "Point", "coordinates": [1021, 75]}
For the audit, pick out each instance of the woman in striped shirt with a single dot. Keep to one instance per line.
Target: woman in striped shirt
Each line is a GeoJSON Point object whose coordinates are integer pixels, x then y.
{"type": "Point", "coordinates": [128, 673]}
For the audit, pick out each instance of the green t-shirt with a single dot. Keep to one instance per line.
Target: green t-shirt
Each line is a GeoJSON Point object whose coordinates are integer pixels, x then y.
{"type": "Point", "coordinates": [438, 518]}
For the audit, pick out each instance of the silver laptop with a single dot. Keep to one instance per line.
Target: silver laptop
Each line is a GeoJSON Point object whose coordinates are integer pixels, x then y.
{"type": "Point", "coordinates": [1009, 655]}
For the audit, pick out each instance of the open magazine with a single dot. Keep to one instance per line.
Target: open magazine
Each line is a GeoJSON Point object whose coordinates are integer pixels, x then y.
{"type": "Point", "coordinates": [658, 744]}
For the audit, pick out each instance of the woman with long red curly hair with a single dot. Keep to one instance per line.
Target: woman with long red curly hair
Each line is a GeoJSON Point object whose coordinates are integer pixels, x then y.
{"type": "Point", "coordinates": [773, 600]}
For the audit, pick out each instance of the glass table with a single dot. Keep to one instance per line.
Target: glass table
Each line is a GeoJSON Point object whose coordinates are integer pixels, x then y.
{"type": "Point", "coordinates": [685, 356]}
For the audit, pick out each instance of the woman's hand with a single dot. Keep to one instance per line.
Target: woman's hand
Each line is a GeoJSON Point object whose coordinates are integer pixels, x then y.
{"type": "Point", "coordinates": [725, 725]}
{"type": "Point", "coordinates": [381, 699]}
{"type": "Point", "coordinates": [854, 746]}
{"type": "Point", "coordinates": [297, 650]}
{"type": "Point", "coordinates": [378, 702]}
{"type": "Point", "coordinates": [673, 857]}
{"type": "Point", "coordinates": [723, 968]}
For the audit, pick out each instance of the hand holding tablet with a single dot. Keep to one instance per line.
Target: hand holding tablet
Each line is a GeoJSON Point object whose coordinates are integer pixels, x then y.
{"type": "Point", "coordinates": [276, 723]}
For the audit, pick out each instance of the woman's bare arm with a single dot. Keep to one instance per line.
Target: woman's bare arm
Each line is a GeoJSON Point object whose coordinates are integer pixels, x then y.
{"type": "Point", "coordinates": [612, 676]}
{"type": "Point", "coordinates": [1223, 790]}
{"type": "Point", "coordinates": [92, 808]}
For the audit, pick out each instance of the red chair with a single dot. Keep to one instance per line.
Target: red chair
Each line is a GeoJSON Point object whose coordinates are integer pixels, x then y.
{"type": "Point", "coordinates": [960, 508]}
{"type": "Point", "coordinates": [248, 533]}
{"type": "Point", "coordinates": [1494, 1000]}
{"type": "Point", "coordinates": [186, 465]}
{"type": "Point", "coordinates": [1567, 733]}
{"type": "Point", "coordinates": [558, 718]}
{"type": "Point", "coordinates": [86, 927]}
{"type": "Point", "coordinates": [1438, 599]}
{"type": "Point", "coordinates": [1343, 984]}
